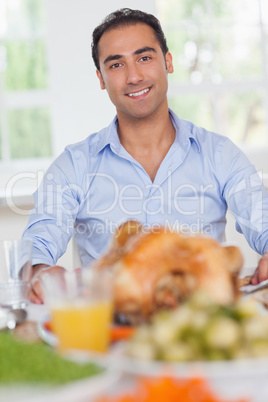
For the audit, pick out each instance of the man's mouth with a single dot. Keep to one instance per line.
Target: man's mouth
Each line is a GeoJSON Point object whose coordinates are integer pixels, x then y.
{"type": "Point", "coordinates": [139, 93]}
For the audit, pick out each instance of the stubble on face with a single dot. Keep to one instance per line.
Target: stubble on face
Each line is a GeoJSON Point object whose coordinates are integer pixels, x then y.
{"type": "Point", "coordinates": [134, 70]}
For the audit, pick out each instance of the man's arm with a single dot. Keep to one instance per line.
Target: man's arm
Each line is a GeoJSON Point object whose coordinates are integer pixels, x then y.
{"type": "Point", "coordinates": [261, 273]}
{"type": "Point", "coordinates": [247, 200]}
{"type": "Point", "coordinates": [56, 204]}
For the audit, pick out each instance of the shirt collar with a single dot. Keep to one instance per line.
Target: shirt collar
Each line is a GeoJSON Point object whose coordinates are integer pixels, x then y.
{"type": "Point", "coordinates": [109, 136]}
{"type": "Point", "coordinates": [185, 132]}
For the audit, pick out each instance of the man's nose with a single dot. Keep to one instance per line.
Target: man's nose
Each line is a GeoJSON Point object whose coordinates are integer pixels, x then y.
{"type": "Point", "coordinates": [134, 74]}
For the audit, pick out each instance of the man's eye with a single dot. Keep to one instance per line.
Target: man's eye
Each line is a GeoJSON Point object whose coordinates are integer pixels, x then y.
{"type": "Point", "coordinates": [116, 65]}
{"type": "Point", "coordinates": [145, 58]}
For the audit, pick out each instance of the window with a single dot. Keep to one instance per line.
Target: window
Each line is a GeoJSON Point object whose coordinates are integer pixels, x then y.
{"type": "Point", "coordinates": [220, 51]}
{"type": "Point", "coordinates": [25, 129]}
{"type": "Point", "coordinates": [50, 97]}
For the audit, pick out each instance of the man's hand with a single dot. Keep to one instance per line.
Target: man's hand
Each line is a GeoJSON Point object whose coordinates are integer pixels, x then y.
{"type": "Point", "coordinates": [261, 273]}
{"type": "Point", "coordinates": [36, 295]}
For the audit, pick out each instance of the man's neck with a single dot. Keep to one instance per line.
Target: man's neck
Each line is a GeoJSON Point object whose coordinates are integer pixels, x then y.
{"type": "Point", "coordinates": [145, 133]}
{"type": "Point", "coordinates": [147, 140]}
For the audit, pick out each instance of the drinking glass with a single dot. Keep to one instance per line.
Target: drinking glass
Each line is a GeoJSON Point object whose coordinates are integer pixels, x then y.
{"type": "Point", "coordinates": [80, 303]}
{"type": "Point", "coordinates": [15, 272]}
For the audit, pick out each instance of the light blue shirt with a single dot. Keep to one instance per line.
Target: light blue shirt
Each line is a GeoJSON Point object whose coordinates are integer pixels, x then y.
{"type": "Point", "coordinates": [95, 185]}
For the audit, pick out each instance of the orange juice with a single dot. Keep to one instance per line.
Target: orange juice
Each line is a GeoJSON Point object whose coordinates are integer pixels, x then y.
{"type": "Point", "coordinates": [83, 325]}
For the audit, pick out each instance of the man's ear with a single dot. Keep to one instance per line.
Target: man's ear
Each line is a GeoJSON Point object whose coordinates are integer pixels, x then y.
{"type": "Point", "coordinates": [102, 85]}
{"type": "Point", "coordinates": [169, 63]}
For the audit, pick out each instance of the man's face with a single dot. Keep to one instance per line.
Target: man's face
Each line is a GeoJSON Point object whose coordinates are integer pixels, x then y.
{"type": "Point", "coordinates": [134, 70]}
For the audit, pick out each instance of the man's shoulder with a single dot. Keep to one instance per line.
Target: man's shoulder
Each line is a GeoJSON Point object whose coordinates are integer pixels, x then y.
{"type": "Point", "coordinates": [81, 156]}
{"type": "Point", "coordinates": [89, 145]}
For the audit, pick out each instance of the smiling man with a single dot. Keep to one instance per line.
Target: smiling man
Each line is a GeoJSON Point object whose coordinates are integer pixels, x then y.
{"type": "Point", "coordinates": [133, 69]}
{"type": "Point", "coordinates": [148, 165]}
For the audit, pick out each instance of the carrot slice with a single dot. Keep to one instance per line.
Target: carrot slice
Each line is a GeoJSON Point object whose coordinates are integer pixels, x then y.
{"type": "Point", "coordinates": [48, 326]}
{"type": "Point", "coordinates": [119, 333]}
{"type": "Point", "coordinates": [168, 389]}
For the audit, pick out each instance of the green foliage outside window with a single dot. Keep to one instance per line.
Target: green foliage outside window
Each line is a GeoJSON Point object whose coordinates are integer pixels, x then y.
{"type": "Point", "coordinates": [29, 130]}
{"type": "Point", "coordinates": [26, 65]}
{"type": "Point", "coordinates": [195, 108]}
{"type": "Point", "coordinates": [25, 46]}
{"type": "Point", "coordinates": [218, 44]}
{"type": "Point", "coordinates": [243, 126]}
{"type": "Point", "coordinates": [209, 38]}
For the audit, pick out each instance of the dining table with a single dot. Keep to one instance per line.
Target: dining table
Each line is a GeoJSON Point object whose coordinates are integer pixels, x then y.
{"type": "Point", "coordinates": [229, 380]}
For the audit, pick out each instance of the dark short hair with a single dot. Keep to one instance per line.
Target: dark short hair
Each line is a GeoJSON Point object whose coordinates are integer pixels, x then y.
{"type": "Point", "coordinates": [125, 17]}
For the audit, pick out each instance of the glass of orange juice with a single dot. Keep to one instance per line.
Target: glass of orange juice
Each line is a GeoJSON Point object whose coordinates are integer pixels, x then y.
{"type": "Point", "coordinates": [81, 308]}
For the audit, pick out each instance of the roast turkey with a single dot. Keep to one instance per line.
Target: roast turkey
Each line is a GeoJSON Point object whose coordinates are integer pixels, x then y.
{"type": "Point", "coordinates": [158, 268]}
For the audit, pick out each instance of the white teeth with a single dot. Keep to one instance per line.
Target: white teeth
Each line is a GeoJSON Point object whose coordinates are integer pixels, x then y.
{"type": "Point", "coordinates": [144, 91]}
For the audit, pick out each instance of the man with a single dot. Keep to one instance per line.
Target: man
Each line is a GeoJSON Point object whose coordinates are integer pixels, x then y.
{"type": "Point", "coordinates": [148, 164]}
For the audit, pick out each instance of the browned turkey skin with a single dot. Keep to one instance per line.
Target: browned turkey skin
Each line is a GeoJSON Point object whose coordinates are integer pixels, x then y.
{"type": "Point", "coordinates": [156, 269]}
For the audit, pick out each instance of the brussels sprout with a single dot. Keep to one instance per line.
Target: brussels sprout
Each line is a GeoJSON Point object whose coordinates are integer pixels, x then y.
{"type": "Point", "coordinates": [246, 308]}
{"type": "Point", "coordinates": [178, 352]}
{"type": "Point", "coordinates": [163, 334]}
{"type": "Point", "coordinates": [143, 334]}
{"type": "Point", "coordinates": [200, 300]}
{"type": "Point", "coordinates": [256, 328]}
{"type": "Point", "coordinates": [222, 333]}
{"type": "Point", "coordinates": [200, 329]}
{"type": "Point", "coordinates": [182, 317]}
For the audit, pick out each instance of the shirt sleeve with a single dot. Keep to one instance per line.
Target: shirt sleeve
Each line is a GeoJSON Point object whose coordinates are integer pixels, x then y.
{"type": "Point", "coordinates": [56, 204]}
{"type": "Point", "coordinates": [246, 197]}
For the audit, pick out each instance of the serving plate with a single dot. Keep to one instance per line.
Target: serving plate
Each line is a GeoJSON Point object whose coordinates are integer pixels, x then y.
{"type": "Point", "coordinates": [244, 378]}
{"type": "Point", "coordinates": [45, 332]}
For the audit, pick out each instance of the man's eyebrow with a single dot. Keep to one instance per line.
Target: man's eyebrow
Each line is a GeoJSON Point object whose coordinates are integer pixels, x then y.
{"type": "Point", "coordinates": [145, 49]}
{"type": "Point", "coordinates": [138, 51]}
{"type": "Point", "coordinates": [112, 57]}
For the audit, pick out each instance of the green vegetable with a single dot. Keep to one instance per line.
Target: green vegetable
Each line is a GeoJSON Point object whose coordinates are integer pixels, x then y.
{"type": "Point", "coordinates": [202, 330]}
{"type": "Point", "coordinates": [37, 363]}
